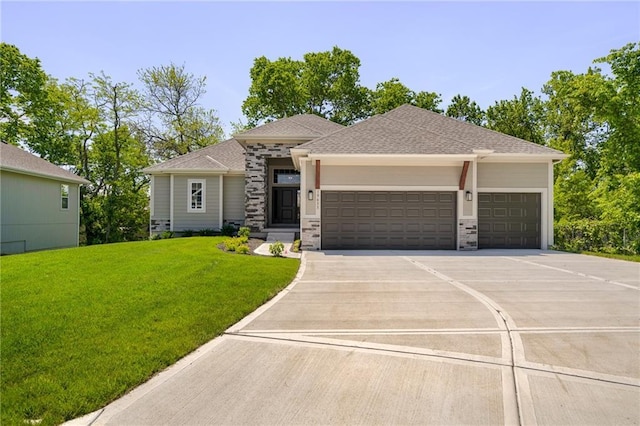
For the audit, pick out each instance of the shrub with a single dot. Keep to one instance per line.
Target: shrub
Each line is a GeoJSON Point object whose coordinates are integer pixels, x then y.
{"type": "Point", "coordinates": [242, 249]}
{"type": "Point", "coordinates": [227, 230]}
{"type": "Point", "coordinates": [596, 236]}
{"type": "Point", "coordinates": [296, 246]}
{"type": "Point", "coordinates": [276, 248]}
{"type": "Point", "coordinates": [165, 235]}
{"type": "Point", "coordinates": [187, 233]}
{"type": "Point", "coordinates": [244, 231]}
{"type": "Point", "coordinates": [207, 232]}
{"type": "Point", "coordinates": [230, 244]}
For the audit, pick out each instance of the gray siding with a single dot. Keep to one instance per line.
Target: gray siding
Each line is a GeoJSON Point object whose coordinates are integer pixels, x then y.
{"type": "Point", "coordinates": [233, 198]}
{"type": "Point", "coordinates": [513, 175]}
{"type": "Point", "coordinates": [32, 216]}
{"type": "Point", "coordinates": [390, 176]}
{"type": "Point", "coordinates": [161, 197]}
{"type": "Point", "coordinates": [182, 219]}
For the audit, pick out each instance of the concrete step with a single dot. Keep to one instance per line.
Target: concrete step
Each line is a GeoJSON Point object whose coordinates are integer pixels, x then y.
{"type": "Point", "coordinates": [284, 237]}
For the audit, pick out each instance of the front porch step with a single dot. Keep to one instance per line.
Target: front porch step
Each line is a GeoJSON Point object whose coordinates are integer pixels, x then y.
{"type": "Point", "coordinates": [284, 237]}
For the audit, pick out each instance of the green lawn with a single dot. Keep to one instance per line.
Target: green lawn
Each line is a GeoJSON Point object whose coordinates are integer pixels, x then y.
{"type": "Point", "coordinates": [81, 326]}
{"type": "Point", "coordinates": [629, 257]}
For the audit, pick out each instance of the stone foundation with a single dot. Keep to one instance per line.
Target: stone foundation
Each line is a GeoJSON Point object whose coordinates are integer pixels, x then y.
{"type": "Point", "coordinates": [160, 225]}
{"type": "Point", "coordinates": [467, 234]}
{"type": "Point", "coordinates": [310, 234]}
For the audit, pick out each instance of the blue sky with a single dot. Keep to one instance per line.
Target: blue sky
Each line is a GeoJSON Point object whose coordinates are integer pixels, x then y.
{"type": "Point", "coordinates": [485, 50]}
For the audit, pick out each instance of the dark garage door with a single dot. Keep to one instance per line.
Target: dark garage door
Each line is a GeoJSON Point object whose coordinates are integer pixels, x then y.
{"type": "Point", "coordinates": [508, 220]}
{"type": "Point", "coordinates": [388, 220]}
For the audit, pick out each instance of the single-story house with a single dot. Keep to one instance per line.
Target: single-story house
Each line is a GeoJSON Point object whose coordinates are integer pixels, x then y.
{"type": "Point", "coordinates": [39, 203]}
{"type": "Point", "coordinates": [406, 179]}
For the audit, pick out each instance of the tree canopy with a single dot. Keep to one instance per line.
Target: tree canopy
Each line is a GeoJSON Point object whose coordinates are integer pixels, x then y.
{"type": "Point", "coordinates": [175, 123]}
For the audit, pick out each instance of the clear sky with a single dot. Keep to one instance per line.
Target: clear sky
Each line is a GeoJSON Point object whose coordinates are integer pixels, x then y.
{"type": "Point", "coordinates": [485, 50]}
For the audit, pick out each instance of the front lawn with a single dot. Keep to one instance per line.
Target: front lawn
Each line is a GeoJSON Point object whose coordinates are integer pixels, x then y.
{"type": "Point", "coordinates": [80, 327]}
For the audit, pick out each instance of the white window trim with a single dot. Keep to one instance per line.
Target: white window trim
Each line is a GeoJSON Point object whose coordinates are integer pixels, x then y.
{"type": "Point", "coordinates": [62, 197]}
{"type": "Point", "coordinates": [190, 209]}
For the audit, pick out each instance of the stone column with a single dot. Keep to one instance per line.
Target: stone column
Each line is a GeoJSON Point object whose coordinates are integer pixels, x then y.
{"type": "Point", "coordinates": [467, 234]}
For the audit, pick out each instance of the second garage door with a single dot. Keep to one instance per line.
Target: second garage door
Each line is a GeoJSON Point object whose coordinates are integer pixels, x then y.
{"type": "Point", "coordinates": [388, 220]}
{"type": "Point", "coordinates": [508, 220]}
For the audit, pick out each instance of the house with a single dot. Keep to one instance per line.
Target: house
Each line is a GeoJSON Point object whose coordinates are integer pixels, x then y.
{"type": "Point", "coordinates": [406, 179]}
{"type": "Point", "coordinates": [39, 203]}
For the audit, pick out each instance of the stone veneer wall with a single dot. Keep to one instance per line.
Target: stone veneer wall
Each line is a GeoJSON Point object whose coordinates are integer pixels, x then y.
{"type": "Point", "coordinates": [467, 234]}
{"type": "Point", "coordinates": [310, 234]}
{"type": "Point", "coordinates": [160, 225]}
{"type": "Point", "coordinates": [256, 184]}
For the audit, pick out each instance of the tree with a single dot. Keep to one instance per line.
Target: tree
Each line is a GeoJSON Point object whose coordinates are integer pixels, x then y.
{"type": "Point", "coordinates": [464, 109]}
{"type": "Point", "coordinates": [25, 108]}
{"type": "Point", "coordinates": [176, 124]}
{"type": "Point", "coordinates": [392, 93]}
{"type": "Point", "coordinates": [324, 83]}
{"type": "Point", "coordinates": [116, 201]}
{"type": "Point", "coordinates": [621, 151]}
{"type": "Point", "coordinates": [520, 117]}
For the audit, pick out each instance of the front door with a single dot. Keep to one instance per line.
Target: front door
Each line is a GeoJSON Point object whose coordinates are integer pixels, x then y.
{"type": "Point", "coordinates": [285, 206]}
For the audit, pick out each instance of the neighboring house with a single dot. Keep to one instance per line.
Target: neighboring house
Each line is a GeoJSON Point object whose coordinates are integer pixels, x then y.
{"type": "Point", "coordinates": [407, 179]}
{"type": "Point", "coordinates": [39, 203]}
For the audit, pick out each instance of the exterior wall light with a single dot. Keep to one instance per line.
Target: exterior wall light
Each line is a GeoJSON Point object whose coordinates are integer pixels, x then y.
{"type": "Point", "coordinates": [469, 195]}
{"type": "Point", "coordinates": [310, 195]}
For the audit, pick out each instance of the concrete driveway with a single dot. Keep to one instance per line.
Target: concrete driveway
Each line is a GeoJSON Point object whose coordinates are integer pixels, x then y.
{"type": "Point", "coordinates": [486, 337]}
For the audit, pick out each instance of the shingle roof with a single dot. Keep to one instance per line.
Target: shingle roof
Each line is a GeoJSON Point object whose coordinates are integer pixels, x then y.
{"type": "Point", "coordinates": [304, 125]}
{"type": "Point", "coordinates": [223, 156]}
{"type": "Point", "coordinates": [412, 130]}
{"type": "Point", "coordinates": [18, 160]}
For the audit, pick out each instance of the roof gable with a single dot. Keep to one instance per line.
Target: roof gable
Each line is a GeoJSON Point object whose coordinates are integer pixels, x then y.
{"type": "Point", "coordinates": [17, 160]}
{"type": "Point", "coordinates": [221, 157]}
{"type": "Point", "coordinates": [412, 130]}
{"type": "Point", "coordinates": [303, 126]}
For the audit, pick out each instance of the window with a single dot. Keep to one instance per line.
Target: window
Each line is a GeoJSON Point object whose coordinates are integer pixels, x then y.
{"type": "Point", "coordinates": [286, 176]}
{"type": "Point", "coordinates": [196, 195]}
{"type": "Point", "coordinates": [64, 197]}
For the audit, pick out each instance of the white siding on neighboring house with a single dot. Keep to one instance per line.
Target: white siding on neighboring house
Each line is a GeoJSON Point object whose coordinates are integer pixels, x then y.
{"type": "Point", "coordinates": [513, 175]}
{"type": "Point", "coordinates": [209, 218]}
{"type": "Point", "coordinates": [32, 216]}
{"type": "Point", "coordinates": [233, 195]}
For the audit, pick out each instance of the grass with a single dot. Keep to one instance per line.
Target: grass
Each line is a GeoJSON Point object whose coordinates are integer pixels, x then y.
{"type": "Point", "coordinates": [80, 327]}
{"type": "Point", "coordinates": [629, 257]}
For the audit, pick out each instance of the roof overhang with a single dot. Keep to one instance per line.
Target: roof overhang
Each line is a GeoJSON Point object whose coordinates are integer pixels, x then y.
{"type": "Point", "coordinates": [79, 180]}
{"type": "Point", "coordinates": [298, 154]}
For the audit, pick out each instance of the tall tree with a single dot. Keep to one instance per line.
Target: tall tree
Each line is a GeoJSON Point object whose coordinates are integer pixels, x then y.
{"type": "Point", "coordinates": [572, 122]}
{"type": "Point", "coordinates": [324, 83]}
{"type": "Point", "coordinates": [520, 117]}
{"type": "Point", "coordinates": [392, 93]}
{"type": "Point", "coordinates": [26, 112]}
{"type": "Point", "coordinates": [118, 195]}
{"type": "Point", "coordinates": [176, 123]}
{"type": "Point", "coordinates": [464, 109]}
{"type": "Point", "coordinates": [621, 152]}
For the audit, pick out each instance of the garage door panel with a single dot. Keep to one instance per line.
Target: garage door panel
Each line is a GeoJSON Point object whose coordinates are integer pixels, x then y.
{"type": "Point", "coordinates": [509, 220]}
{"type": "Point", "coordinates": [446, 213]}
{"type": "Point", "coordinates": [445, 197]}
{"type": "Point", "coordinates": [387, 219]}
